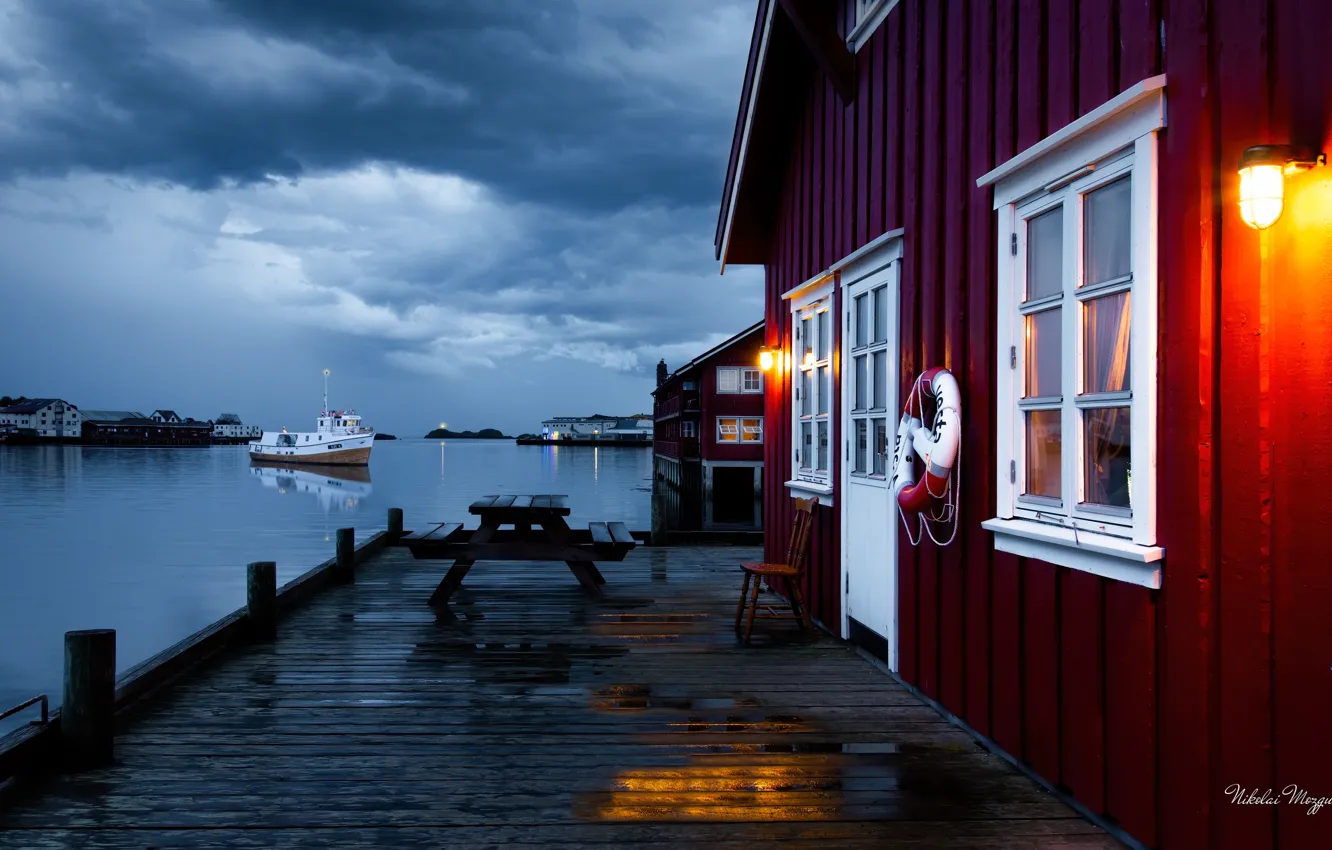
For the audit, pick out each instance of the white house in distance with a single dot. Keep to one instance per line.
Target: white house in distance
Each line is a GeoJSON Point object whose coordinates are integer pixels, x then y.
{"type": "Point", "coordinates": [598, 426]}
{"type": "Point", "coordinates": [229, 426]}
{"type": "Point", "coordinates": [49, 417]}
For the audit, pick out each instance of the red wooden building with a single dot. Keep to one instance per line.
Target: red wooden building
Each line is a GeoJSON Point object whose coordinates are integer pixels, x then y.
{"type": "Point", "coordinates": [709, 436]}
{"type": "Point", "coordinates": [1005, 189]}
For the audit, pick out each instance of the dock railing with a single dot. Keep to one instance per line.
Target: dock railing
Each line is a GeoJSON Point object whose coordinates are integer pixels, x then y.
{"type": "Point", "coordinates": [42, 746]}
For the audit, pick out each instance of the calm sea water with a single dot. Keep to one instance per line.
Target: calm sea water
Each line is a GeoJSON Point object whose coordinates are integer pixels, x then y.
{"type": "Point", "coordinates": [153, 542]}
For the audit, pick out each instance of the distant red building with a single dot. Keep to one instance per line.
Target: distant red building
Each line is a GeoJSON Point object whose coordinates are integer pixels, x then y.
{"type": "Point", "coordinates": [709, 436]}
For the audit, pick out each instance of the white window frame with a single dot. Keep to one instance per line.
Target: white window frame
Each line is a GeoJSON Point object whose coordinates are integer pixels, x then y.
{"type": "Point", "coordinates": [721, 429]}
{"type": "Point", "coordinates": [755, 442]}
{"type": "Point", "coordinates": [688, 429]}
{"type": "Point", "coordinates": [810, 299]}
{"type": "Point", "coordinates": [739, 380]}
{"type": "Point", "coordinates": [746, 373]}
{"type": "Point", "coordinates": [869, 15]}
{"type": "Point", "coordinates": [1117, 139]}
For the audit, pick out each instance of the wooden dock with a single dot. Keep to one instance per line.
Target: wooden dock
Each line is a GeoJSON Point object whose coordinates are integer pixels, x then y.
{"type": "Point", "coordinates": [525, 714]}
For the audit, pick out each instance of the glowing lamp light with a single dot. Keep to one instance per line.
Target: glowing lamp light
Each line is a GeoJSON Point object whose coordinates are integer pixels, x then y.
{"type": "Point", "coordinates": [1263, 170]}
{"type": "Point", "coordinates": [766, 359]}
{"type": "Point", "coordinates": [809, 359]}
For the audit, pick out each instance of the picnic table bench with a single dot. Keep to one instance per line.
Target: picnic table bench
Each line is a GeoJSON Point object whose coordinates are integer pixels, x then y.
{"type": "Point", "coordinates": [539, 533]}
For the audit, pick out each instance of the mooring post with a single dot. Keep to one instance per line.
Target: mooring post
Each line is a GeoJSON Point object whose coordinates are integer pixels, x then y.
{"type": "Point", "coordinates": [658, 536]}
{"type": "Point", "coordinates": [261, 599]}
{"type": "Point", "coordinates": [394, 526]}
{"type": "Point", "coordinates": [87, 712]}
{"type": "Point", "coordinates": [346, 562]}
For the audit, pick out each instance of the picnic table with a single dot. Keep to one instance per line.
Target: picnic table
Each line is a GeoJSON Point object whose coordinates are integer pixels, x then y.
{"type": "Point", "coordinates": [539, 533]}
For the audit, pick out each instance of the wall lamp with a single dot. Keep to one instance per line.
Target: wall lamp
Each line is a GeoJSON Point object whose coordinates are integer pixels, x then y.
{"type": "Point", "coordinates": [1263, 170]}
{"type": "Point", "coordinates": [766, 358]}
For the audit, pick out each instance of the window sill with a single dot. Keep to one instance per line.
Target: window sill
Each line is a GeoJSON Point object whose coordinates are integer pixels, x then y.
{"type": "Point", "coordinates": [1099, 554]}
{"type": "Point", "coordinates": [823, 491]}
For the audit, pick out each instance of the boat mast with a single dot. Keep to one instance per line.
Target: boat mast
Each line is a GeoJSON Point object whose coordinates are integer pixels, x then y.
{"type": "Point", "coordinates": [325, 392]}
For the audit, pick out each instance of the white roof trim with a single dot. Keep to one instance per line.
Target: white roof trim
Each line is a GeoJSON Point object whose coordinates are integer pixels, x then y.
{"type": "Point", "coordinates": [863, 31]}
{"type": "Point", "coordinates": [1148, 93]}
{"type": "Point", "coordinates": [855, 256]}
{"type": "Point", "coordinates": [744, 133]}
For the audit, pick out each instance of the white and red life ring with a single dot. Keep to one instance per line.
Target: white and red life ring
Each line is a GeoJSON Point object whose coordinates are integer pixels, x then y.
{"type": "Point", "coordinates": [934, 496]}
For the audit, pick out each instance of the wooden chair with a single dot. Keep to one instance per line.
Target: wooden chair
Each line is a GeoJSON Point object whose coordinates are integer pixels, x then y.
{"type": "Point", "coordinates": [797, 553]}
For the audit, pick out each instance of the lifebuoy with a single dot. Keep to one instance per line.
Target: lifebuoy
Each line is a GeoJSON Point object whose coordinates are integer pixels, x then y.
{"type": "Point", "coordinates": [939, 446]}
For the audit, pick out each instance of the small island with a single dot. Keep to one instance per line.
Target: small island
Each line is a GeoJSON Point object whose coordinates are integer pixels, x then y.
{"type": "Point", "coordinates": [483, 434]}
{"type": "Point", "coordinates": [385, 437]}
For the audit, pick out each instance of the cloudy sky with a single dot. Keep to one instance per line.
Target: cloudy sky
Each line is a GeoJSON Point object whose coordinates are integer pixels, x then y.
{"type": "Point", "coordinates": [483, 212]}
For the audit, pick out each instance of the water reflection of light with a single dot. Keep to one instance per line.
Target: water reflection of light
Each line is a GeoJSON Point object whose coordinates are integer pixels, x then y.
{"type": "Point", "coordinates": [441, 458]}
{"type": "Point", "coordinates": [596, 462]}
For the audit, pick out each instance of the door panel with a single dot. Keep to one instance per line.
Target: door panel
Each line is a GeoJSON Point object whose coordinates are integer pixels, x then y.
{"type": "Point", "coordinates": [870, 412]}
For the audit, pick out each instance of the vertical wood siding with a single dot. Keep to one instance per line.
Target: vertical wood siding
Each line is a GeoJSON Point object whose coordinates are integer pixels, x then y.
{"type": "Point", "coordinates": [1145, 705]}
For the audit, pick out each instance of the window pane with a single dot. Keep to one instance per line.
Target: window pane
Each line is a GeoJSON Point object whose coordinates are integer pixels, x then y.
{"type": "Point", "coordinates": [880, 379]}
{"type": "Point", "coordinates": [880, 446]}
{"type": "Point", "coordinates": [806, 386]}
{"type": "Point", "coordinates": [1105, 344]}
{"type": "Point", "coordinates": [860, 450]}
{"type": "Point", "coordinates": [806, 337]}
{"type": "Point", "coordinates": [823, 388]}
{"type": "Point", "coordinates": [1044, 338]}
{"type": "Point", "coordinates": [1107, 238]}
{"type": "Point", "coordinates": [1043, 453]}
{"type": "Point", "coordinates": [728, 380]}
{"type": "Point", "coordinates": [806, 445]}
{"type": "Point", "coordinates": [881, 314]}
{"type": "Point", "coordinates": [1045, 254]}
{"type": "Point", "coordinates": [862, 320]}
{"type": "Point", "coordinates": [825, 335]}
{"type": "Point", "coordinates": [1106, 474]}
{"type": "Point", "coordinates": [823, 444]}
{"type": "Point", "coordinates": [862, 396]}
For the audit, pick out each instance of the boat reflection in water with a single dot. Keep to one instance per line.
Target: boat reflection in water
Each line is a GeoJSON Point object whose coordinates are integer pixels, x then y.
{"type": "Point", "coordinates": [336, 487]}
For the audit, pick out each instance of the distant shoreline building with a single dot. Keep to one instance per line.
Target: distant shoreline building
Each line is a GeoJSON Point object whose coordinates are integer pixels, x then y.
{"type": "Point", "coordinates": [598, 427]}
{"type": "Point", "coordinates": [47, 418]}
{"type": "Point", "coordinates": [708, 446]}
{"type": "Point", "coordinates": [228, 426]}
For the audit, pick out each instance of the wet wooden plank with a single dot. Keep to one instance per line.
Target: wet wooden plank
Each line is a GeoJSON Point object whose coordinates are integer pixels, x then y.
{"type": "Point", "coordinates": [425, 532]}
{"type": "Point", "coordinates": [620, 533]}
{"type": "Point", "coordinates": [529, 714]}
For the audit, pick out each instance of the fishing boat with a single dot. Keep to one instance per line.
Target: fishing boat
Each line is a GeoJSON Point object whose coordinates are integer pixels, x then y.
{"type": "Point", "coordinates": [339, 439]}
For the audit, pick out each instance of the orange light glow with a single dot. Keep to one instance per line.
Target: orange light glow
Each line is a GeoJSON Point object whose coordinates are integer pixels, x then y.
{"type": "Point", "coordinates": [765, 359]}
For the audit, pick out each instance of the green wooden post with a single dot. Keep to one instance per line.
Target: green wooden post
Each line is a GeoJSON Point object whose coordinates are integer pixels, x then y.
{"type": "Point", "coordinates": [261, 599]}
{"type": "Point", "coordinates": [87, 712]}
{"type": "Point", "coordinates": [346, 560]}
{"type": "Point", "coordinates": [394, 526]}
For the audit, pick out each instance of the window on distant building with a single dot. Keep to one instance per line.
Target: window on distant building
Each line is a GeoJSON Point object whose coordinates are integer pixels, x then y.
{"type": "Point", "coordinates": [728, 379]}
{"type": "Point", "coordinates": [751, 381]}
{"type": "Point", "coordinates": [751, 430]}
{"type": "Point", "coordinates": [1077, 344]}
{"type": "Point", "coordinates": [688, 429]}
{"type": "Point", "coordinates": [728, 430]}
{"type": "Point", "coordinates": [869, 14]}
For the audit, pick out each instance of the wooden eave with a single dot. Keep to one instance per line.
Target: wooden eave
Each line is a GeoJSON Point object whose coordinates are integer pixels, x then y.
{"type": "Point", "coordinates": [791, 38]}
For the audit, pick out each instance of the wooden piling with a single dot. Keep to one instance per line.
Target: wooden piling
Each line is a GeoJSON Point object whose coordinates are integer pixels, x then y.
{"type": "Point", "coordinates": [346, 558]}
{"type": "Point", "coordinates": [394, 526]}
{"type": "Point", "coordinates": [658, 534]}
{"type": "Point", "coordinates": [87, 712]}
{"type": "Point", "coordinates": [261, 599]}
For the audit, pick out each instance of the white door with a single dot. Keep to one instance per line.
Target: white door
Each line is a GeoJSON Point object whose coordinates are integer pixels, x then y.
{"type": "Point", "coordinates": [870, 415]}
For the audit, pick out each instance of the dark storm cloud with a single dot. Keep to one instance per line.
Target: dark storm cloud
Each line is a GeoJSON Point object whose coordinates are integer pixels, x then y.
{"type": "Point", "coordinates": [517, 95]}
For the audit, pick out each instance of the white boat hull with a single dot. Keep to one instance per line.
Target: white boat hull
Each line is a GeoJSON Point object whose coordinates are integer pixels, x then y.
{"type": "Point", "coordinates": [331, 451]}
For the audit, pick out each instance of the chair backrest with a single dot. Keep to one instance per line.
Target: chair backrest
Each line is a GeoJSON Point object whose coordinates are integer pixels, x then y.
{"type": "Point", "coordinates": [798, 551]}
